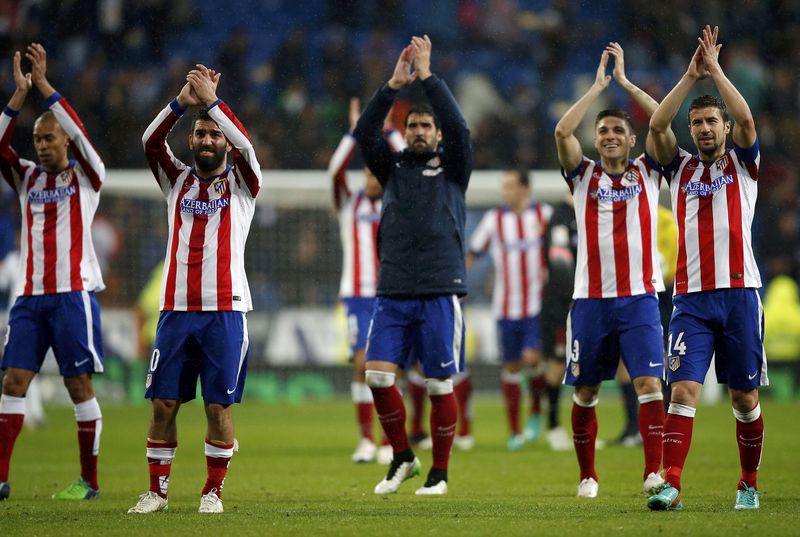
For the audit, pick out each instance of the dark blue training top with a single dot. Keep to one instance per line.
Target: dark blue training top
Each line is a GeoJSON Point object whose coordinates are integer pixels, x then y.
{"type": "Point", "coordinates": [421, 233]}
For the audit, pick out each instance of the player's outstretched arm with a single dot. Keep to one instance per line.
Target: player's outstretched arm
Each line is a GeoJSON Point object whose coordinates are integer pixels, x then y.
{"type": "Point", "coordinates": [455, 134]}
{"type": "Point", "coordinates": [660, 134]}
{"type": "Point", "coordinates": [23, 85]}
{"type": "Point", "coordinates": [204, 82]}
{"type": "Point", "coordinates": [645, 101]}
{"type": "Point", "coordinates": [744, 127]}
{"type": "Point", "coordinates": [569, 148]}
{"type": "Point", "coordinates": [340, 160]}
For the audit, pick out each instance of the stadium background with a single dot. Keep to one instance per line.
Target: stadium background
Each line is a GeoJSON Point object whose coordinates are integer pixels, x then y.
{"type": "Point", "coordinates": [289, 69]}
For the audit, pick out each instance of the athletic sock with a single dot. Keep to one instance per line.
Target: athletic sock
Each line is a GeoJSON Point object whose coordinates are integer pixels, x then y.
{"type": "Point", "coordinates": [444, 413]}
{"type": "Point", "coordinates": [536, 385]}
{"type": "Point", "coordinates": [510, 384]}
{"type": "Point", "coordinates": [362, 398]}
{"type": "Point", "coordinates": [90, 425]}
{"type": "Point", "coordinates": [631, 408]}
{"type": "Point", "coordinates": [12, 414]}
{"type": "Point", "coordinates": [159, 464]}
{"type": "Point", "coordinates": [553, 393]}
{"type": "Point", "coordinates": [418, 394]}
{"type": "Point", "coordinates": [750, 437]}
{"type": "Point", "coordinates": [218, 458]}
{"type": "Point", "coordinates": [651, 428]}
{"type": "Point", "coordinates": [677, 439]}
{"type": "Point", "coordinates": [462, 387]}
{"type": "Point", "coordinates": [584, 435]}
{"type": "Point", "coordinates": [390, 408]}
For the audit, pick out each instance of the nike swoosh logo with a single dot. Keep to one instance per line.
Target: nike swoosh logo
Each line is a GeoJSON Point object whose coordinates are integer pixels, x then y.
{"type": "Point", "coordinates": [231, 391]}
{"type": "Point", "coordinates": [445, 364]}
{"type": "Point", "coordinates": [78, 364]}
{"type": "Point", "coordinates": [656, 364]}
{"type": "Point", "coordinates": [751, 377]}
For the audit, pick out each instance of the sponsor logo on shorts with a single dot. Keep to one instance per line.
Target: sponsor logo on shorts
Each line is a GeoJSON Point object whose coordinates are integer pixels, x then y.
{"type": "Point", "coordinates": [674, 363]}
{"type": "Point", "coordinates": [751, 377]}
{"type": "Point", "coordinates": [78, 364]}
{"type": "Point", "coordinates": [655, 364]}
{"type": "Point", "coordinates": [231, 391]}
{"type": "Point", "coordinates": [445, 364]}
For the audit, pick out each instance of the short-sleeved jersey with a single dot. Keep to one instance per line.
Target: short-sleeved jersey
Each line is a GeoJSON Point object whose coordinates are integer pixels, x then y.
{"type": "Point", "coordinates": [617, 229]}
{"type": "Point", "coordinates": [56, 250]}
{"type": "Point", "coordinates": [209, 218]}
{"type": "Point", "coordinates": [359, 217]}
{"type": "Point", "coordinates": [713, 204]}
{"type": "Point", "coordinates": [516, 243]}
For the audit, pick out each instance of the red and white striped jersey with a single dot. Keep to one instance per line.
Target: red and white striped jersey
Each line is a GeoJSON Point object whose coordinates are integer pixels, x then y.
{"type": "Point", "coordinates": [359, 217]}
{"type": "Point", "coordinates": [209, 219]}
{"type": "Point", "coordinates": [56, 250]}
{"type": "Point", "coordinates": [617, 229]}
{"type": "Point", "coordinates": [516, 243]}
{"type": "Point", "coordinates": [713, 203]}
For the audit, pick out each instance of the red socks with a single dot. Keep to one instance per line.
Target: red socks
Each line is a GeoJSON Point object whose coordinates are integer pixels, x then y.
{"type": "Point", "coordinates": [462, 387]}
{"type": "Point", "coordinates": [444, 414]}
{"type": "Point", "coordinates": [362, 398]}
{"type": "Point", "coordinates": [218, 457]}
{"type": "Point", "coordinates": [418, 394]}
{"type": "Point", "coordinates": [90, 425]}
{"type": "Point", "coordinates": [750, 437]}
{"type": "Point", "coordinates": [510, 384]}
{"type": "Point", "coordinates": [390, 408]}
{"type": "Point", "coordinates": [536, 386]}
{"type": "Point", "coordinates": [12, 414]}
{"type": "Point", "coordinates": [584, 435]}
{"type": "Point", "coordinates": [159, 464]}
{"type": "Point", "coordinates": [677, 439]}
{"type": "Point", "coordinates": [651, 428]}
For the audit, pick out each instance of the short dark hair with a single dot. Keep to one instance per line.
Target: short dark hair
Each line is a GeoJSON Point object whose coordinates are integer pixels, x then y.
{"type": "Point", "coordinates": [522, 175]}
{"type": "Point", "coordinates": [708, 101]}
{"type": "Point", "coordinates": [614, 112]}
{"type": "Point", "coordinates": [423, 109]}
{"type": "Point", "coordinates": [201, 115]}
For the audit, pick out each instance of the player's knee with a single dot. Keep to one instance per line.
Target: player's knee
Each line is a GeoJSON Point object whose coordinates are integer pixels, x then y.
{"type": "Point", "coordinates": [79, 388]}
{"type": "Point", "coordinates": [685, 393]}
{"type": "Point", "coordinates": [647, 385]}
{"type": "Point", "coordinates": [164, 410]}
{"type": "Point", "coordinates": [439, 386]}
{"type": "Point", "coordinates": [586, 396]}
{"type": "Point", "coordinates": [15, 383]}
{"type": "Point", "coordinates": [379, 379]}
{"type": "Point", "coordinates": [744, 401]}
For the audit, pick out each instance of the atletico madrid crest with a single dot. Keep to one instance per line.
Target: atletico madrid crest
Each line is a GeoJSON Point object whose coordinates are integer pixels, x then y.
{"type": "Point", "coordinates": [575, 369]}
{"type": "Point", "coordinates": [674, 363]}
{"type": "Point", "coordinates": [148, 381]}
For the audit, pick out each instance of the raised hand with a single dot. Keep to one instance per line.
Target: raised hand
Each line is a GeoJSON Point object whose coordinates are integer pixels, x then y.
{"type": "Point", "coordinates": [38, 58]}
{"type": "Point", "coordinates": [422, 56]}
{"type": "Point", "coordinates": [615, 50]}
{"type": "Point", "coordinates": [709, 49]}
{"type": "Point", "coordinates": [355, 112]}
{"type": "Point", "coordinates": [601, 79]}
{"type": "Point", "coordinates": [204, 83]}
{"type": "Point", "coordinates": [187, 96]}
{"type": "Point", "coordinates": [23, 81]}
{"type": "Point", "coordinates": [402, 75]}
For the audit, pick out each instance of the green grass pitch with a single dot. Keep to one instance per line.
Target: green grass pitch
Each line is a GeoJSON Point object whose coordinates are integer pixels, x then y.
{"type": "Point", "coordinates": [293, 476]}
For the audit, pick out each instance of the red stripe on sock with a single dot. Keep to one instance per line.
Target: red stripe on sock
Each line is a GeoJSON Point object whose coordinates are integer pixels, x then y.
{"type": "Point", "coordinates": [444, 413]}
{"type": "Point", "coordinates": [392, 415]}
{"type": "Point", "coordinates": [677, 440]}
{"type": "Point", "coordinates": [10, 426]}
{"type": "Point", "coordinates": [750, 437]}
{"type": "Point", "coordinates": [86, 435]}
{"type": "Point", "coordinates": [584, 435]}
{"type": "Point", "coordinates": [512, 394]}
{"type": "Point", "coordinates": [651, 427]}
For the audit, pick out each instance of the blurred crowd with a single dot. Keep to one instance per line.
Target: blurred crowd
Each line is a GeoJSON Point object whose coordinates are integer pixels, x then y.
{"type": "Point", "coordinates": [290, 67]}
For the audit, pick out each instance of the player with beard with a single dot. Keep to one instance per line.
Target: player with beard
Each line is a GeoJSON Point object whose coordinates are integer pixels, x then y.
{"type": "Point", "coordinates": [421, 270]}
{"type": "Point", "coordinates": [716, 308]}
{"type": "Point", "coordinates": [202, 329]}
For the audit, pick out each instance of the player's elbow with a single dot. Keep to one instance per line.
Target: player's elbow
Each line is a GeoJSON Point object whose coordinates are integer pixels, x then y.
{"type": "Point", "coordinates": [561, 132]}
{"type": "Point", "coordinates": [658, 126]}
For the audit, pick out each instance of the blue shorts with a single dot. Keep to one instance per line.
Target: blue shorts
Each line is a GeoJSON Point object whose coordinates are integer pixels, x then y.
{"type": "Point", "coordinates": [600, 330]}
{"type": "Point", "coordinates": [726, 323]}
{"type": "Point", "coordinates": [210, 344]}
{"type": "Point", "coordinates": [67, 322]}
{"type": "Point", "coordinates": [518, 335]}
{"type": "Point", "coordinates": [359, 313]}
{"type": "Point", "coordinates": [430, 330]}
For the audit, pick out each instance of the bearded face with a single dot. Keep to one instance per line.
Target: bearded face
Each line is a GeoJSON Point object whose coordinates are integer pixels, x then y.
{"type": "Point", "coordinates": [209, 146]}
